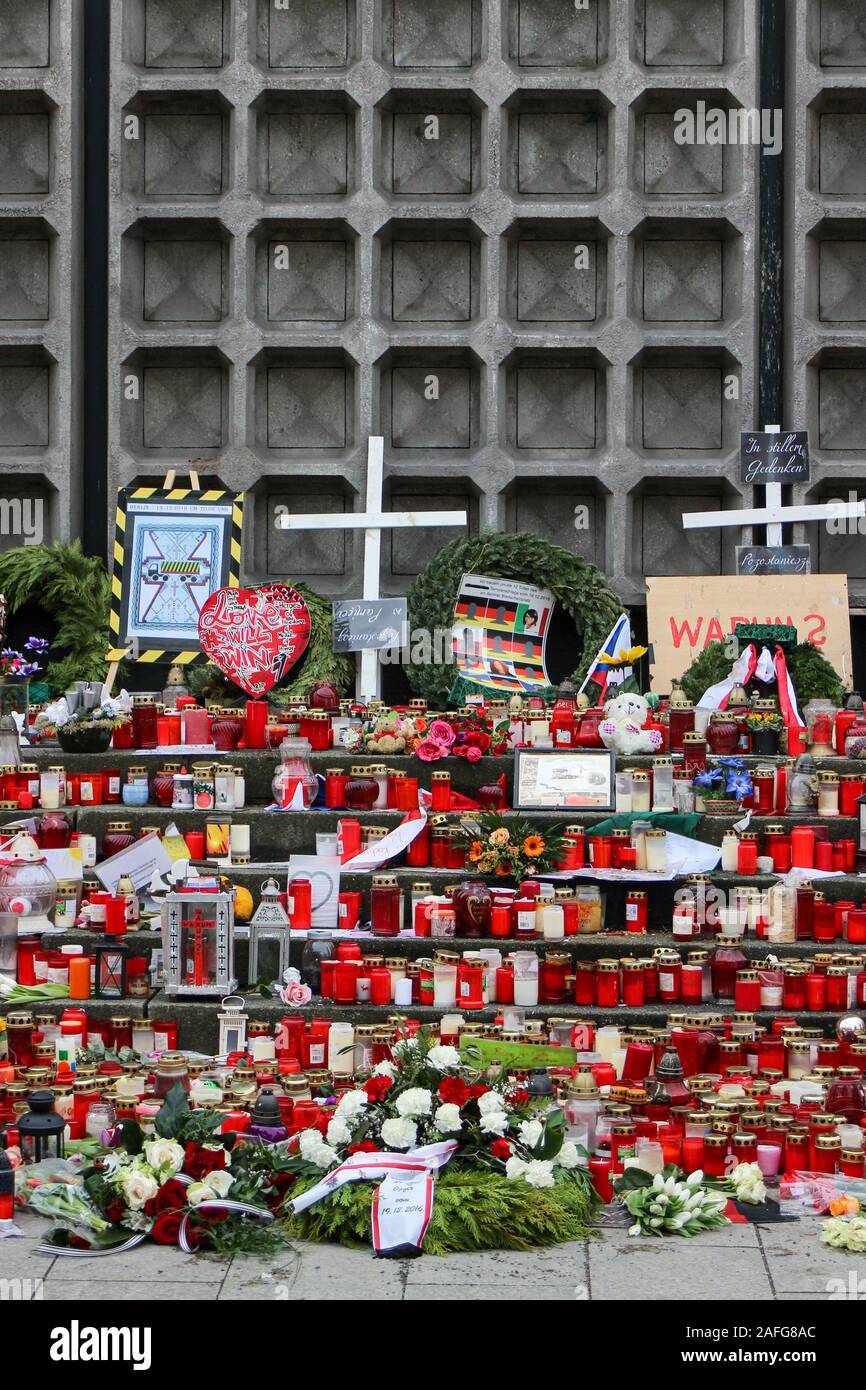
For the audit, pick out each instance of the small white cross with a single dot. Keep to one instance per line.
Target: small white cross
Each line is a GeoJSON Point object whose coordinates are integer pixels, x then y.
{"type": "Point", "coordinates": [372, 522]}
{"type": "Point", "coordinates": [774, 515]}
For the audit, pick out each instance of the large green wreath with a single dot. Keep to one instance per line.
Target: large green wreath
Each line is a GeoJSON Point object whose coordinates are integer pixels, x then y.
{"type": "Point", "coordinates": [318, 663]}
{"type": "Point", "coordinates": [580, 588]}
{"type": "Point", "coordinates": [813, 676]}
{"type": "Point", "coordinates": [74, 590]}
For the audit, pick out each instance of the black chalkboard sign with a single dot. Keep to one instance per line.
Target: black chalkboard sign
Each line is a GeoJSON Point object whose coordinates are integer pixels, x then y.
{"type": "Point", "coordinates": [369, 624]}
{"type": "Point", "coordinates": [777, 559]}
{"type": "Point", "coordinates": [775, 458]}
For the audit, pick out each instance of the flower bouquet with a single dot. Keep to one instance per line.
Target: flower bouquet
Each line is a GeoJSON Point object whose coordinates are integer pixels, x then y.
{"type": "Point", "coordinates": [510, 1180]}
{"type": "Point", "coordinates": [87, 730]}
{"type": "Point", "coordinates": [508, 850]}
{"type": "Point", "coordinates": [723, 786]}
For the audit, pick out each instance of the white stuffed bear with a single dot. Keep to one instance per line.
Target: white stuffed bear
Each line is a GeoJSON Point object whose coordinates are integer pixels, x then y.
{"type": "Point", "coordinates": [622, 727]}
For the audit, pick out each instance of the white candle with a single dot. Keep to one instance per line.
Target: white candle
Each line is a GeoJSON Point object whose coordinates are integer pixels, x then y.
{"type": "Point", "coordinates": [239, 838]}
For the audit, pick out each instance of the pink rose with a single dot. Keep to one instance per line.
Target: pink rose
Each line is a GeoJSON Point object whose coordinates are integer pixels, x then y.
{"type": "Point", "coordinates": [429, 751]}
{"type": "Point", "coordinates": [441, 732]}
{"type": "Point", "coordinates": [473, 754]}
{"type": "Point", "coordinates": [297, 996]}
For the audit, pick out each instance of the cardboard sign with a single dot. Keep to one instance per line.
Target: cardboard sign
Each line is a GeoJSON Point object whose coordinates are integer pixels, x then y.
{"type": "Point", "coordinates": [369, 624]}
{"type": "Point", "coordinates": [775, 560]}
{"type": "Point", "coordinates": [775, 458]}
{"type": "Point", "coordinates": [685, 614]}
{"type": "Point", "coordinates": [255, 635]}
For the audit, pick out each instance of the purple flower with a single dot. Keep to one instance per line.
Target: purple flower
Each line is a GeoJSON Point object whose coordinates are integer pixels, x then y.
{"type": "Point", "coordinates": [39, 645]}
{"type": "Point", "coordinates": [28, 668]}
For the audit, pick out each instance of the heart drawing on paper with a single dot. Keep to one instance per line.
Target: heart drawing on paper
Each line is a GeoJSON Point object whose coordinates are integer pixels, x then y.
{"type": "Point", "coordinates": [255, 635]}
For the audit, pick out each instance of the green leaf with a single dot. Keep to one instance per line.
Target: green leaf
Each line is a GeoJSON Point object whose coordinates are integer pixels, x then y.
{"type": "Point", "coordinates": [174, 1109]}
{"type": "Point", "coordinates": [131, 1137]}
{"type": "Point", "coordinates": [554, 1136]}
{"type": "Point", "coordinates": [632, 1180]}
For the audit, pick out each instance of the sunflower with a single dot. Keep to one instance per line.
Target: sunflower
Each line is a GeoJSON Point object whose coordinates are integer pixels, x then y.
{"type": "Point", "coordinates": [533, 846]}
{"type": "Point", "coordinates": [623, 658]}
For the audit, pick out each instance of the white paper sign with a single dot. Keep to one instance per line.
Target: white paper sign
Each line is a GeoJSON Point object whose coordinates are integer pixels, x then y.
{"type": "Point", "coordinates": [390, 846]}
{"type": "Point", "coordinates": [323, 871]}
{"type": "Point", "coordinates": [137, 863]}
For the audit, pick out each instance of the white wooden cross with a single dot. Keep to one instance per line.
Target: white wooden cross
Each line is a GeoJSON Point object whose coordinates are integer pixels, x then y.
{"type": "Point", "coordinates": [774, 515]}
{"type": "Point", "coordinates": [373, 521]}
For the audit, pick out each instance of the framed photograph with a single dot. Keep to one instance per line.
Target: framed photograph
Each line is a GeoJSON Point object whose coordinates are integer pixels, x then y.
{"type": "Point", "coordinates": [582, 779]}
{"type": "Point", "coordinates": [172, 550]}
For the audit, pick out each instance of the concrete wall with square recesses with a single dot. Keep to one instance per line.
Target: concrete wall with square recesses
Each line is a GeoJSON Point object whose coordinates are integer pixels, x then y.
{"type": "Point", "coordinates": [826, 362]}
{"type": "Point", "coordinates": [467, 225]}
{"type": "Point", "coordinates": [40, 259]}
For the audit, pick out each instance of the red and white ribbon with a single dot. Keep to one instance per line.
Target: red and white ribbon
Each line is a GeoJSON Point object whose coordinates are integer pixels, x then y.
{"type": "Point", "coordinates": [401, 1211]}
{"type": "Point", "coordinates": [372, 1167]}
{"type": "Point", "coordinates": [219, 1204]}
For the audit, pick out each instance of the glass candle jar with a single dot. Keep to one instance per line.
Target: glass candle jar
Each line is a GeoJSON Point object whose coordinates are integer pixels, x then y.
{"type": "Point", "coordinates": [144, 726]}
{"type": "Point", "coordinates": [727, 959]}
{"type": "Point", "coordinates": [385, 905]}
{"type": "Point", "coordinates": [828, 794]}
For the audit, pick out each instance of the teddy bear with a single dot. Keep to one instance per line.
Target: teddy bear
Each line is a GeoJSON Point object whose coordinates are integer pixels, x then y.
{"type": "Point", "coordinates": [622, 727]}
{"type": "Point", "coordinates": [388, 734]}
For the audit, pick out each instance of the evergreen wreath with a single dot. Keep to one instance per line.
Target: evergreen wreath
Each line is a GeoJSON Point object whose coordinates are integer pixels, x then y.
{"type": "Point", "coordinates": [74, 591]}
{"type": "Point", "coordinates": [813, 676]}
{"type": "Point", "coordinates": [318, 663]}
{"type": "Point", "coordinates": [580, 588]}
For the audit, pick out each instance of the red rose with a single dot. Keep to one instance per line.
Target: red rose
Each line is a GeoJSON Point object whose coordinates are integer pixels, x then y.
{"type": "Point", "coordinates": [200, 1161]}
{"type": "Point", "coordinates": [478, 740]}
{"type": "Point", "coordinates": [453, 1091]}
{"type": "Point", "coordinates": [275, 1193]}
{"type": "Point", "coordinates": [377, 1087]}
{"type": "Point", "coordinates": [114, 1210]}
{"type": "Point", "coordinates": [166, 1228]}
{"type": "Point", "coordinates": [212, 1217]}
{"type": "Point", "coordinates": [77, 1243]}
{"type": "Point", "coordinates": [170, 1197]}
{"type": "Point", "coordinates": [366, 1146]}
{"type": "Point", "coordinates": [500, 1148]}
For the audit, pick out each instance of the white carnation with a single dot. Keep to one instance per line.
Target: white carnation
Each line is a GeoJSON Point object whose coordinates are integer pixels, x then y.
{"type": "Point", "coordinates": [416, 1101]}
{"type": "Point", "coordinates": [339, 1133]}
{"type": "Point", "coordinates": [539, 1174]}
{"type": "Point", "coordinates": [490, 1102]}
{"type": "Point", "coordinates": [568, 1157]}
{"type": "Point", "coordinates": [443, 1058]}
{"type": "Point", "coordinates": [496, 1122]}
{"type": "Point", "coordinates": [385, 1069]}
{"type": "Point", "coordinates": [530, 1132]}
{"type": "Point", "coordinates": [350, 1105]}
{"type": "Point", "coordinates": [314, 1149]}
{"type": "Point", "coordinates": [515, 1167]}
{"type": "Point", "coordinates": [447, 1119]}
{"type": "Point", "coordinates": [399, 1134]}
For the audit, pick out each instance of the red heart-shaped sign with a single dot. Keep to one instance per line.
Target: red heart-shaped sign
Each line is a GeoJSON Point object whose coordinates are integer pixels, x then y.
{"type": "Point", "coordinates": [254, 635]}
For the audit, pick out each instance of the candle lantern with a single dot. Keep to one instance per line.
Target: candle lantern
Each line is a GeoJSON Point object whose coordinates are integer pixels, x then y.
{"type": "Point", "coordinates": [233, 1025]}
{"type": "Point", "coordinates": [111, 956]}
{"type": "Point", "coordinates": [197, 943]}
{"type": "Point", "coordinates": [28, 889]}
{"type": "Point", "coordinates": [41, 1129]}
{"type": "Point", "coordinates": [269, 922]}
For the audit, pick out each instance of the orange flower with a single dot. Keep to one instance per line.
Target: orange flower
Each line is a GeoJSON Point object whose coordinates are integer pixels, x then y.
{"type": "Point", "coordinates": [533, 846]}
{"type": "Point", "coordinates": [476, 849]}
{"type": "Point", "coordinates": [844, 1206]}
{"type": "Point", "coordinates": [503, 870]}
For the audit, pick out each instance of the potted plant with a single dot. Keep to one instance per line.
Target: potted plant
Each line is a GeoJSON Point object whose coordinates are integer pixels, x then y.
{"type": "Point", "coordinates": [723, 786]}
{"type": "Point", "coordinates": [85, 731]}
{"type": "Point", "coordinates": [16, 671]}
{"type": "Point", "coordinates": [764, 728]}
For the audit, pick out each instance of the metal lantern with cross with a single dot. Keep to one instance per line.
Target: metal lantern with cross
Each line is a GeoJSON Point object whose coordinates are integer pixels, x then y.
{"type": "Point", "coordinates": [198, 943]}
{"type": "Point", "coordinates": [269, 922]}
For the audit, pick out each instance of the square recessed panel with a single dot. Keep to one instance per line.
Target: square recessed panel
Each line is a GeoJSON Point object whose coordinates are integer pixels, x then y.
{"type": "Point", "coordinates": [842, 419]}
{"type": "Point", "coordinates": [670, 550]}
{"type": "Point", "coordinates": [307, 281]}
{"type": "Point", "coordinates": [24, 280]}
{"type": "Point", "coordinates": [433, 36]}
{"type": "Point", "coordinates": [308, 155]}
{"type": "Point", "coordinates": [309, 34]}
{"type": "Point", "coordinates": [24, 407]}
{"type": "Point", "coordinates": [183, 281]}
{"type": "Point", "coordinates": [182, 407]}
{"type": "Point", "coordinates": [670, 168]}
{"type": "Point", "coordinates": [183, 33]}
{"type": "Point", "coordinates": [842, 141]}
{"type": "Point", "coordinates": [555, 408]}
{"type": "Point", "coordinates": [551, 514]}
{"type": "Point", "coordinates": [684, 33]}
{"type": "Point", "coordinates": [412, 549]}
{"type": "Point", "coordinates": [431, 408]}
{"type": "Point", "coordinates": [431, 281]}
{"type": "Point", "coordinates": [556, 34]}
{"type": "Point", "coordinates": [557, 152]}
{"type": "Point", "coordinates": [550, 286]}
{"type": "Point", "coordinates": [24, 34]}
{"type": "Point", "coordinates": [24, 152]}
{"type": "Point", "coordinates": [432, 153]}
{"type": "Point", "coordinates": [842, 283]}
{"type": "Point", "coordinates": [306, 552]}
{"type": "Point", "coordinates": [843, 34]}
{"type": "Point", "coordinates": [183, 154]}
{"type": "Point", "coordinates": [682, 408]}
{"type": "Point", "coordinates": [307, 408]}
{"type": "Point", "coordinates": [682, 281]}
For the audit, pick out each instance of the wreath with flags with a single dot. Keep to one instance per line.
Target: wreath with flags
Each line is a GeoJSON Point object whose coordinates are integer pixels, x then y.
{"type": "Point", "coordinates": [770, 657]}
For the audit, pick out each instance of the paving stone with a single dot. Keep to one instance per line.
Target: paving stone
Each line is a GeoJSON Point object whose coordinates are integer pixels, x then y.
{"type": "Point", "coordinates": [695, 1271]}
{"type": "Point", "coordinates": [155, 1291]}
{"type": "Point", "coordinates": [800, 1263]}
{"type": "Point", "coordinates": [556, 1265]}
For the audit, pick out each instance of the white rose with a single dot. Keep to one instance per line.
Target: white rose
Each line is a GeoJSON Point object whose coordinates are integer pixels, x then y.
{"type": "Point", "coordinates": [447, 1119]}
{"type": "Point", "coordinates": [138, 1188]}
{"type": "Point", "coordinates": [443, 1058]}
{"type": "Point", "coordinates": [539, 1174]}
{"type": "Point", "coordinates": [198, 1192]}
{"type": "Point", "coordinates": [219, 1182]}
{"type": "Point", "coordinates": [164, 1155]}
{"type": "Point", "coordinates": [416, 1101]}
{"type": "Point", "coordinates": [515, 1167]}
{"type": "Point", "coordinates": [529, 1132]}
{"type": "Point", "coordinates": [568, 1157]}
{"type": "Point", "coordinates": [494, 1123]}
{"type": "Point", "coordinates": [490, 1102]}
{"type": "Point", "coordinates": [399, 1134]}
{"type": "Point", "coordinates": [339, 1133]}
